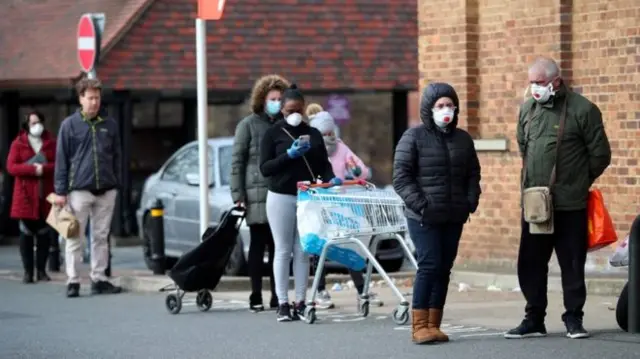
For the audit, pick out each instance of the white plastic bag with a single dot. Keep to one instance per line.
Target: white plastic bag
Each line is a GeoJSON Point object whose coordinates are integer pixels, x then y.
{"type": "Point", "coordinates": [620, 258]}
{"type": "Point", "coordinates": [319, 222]}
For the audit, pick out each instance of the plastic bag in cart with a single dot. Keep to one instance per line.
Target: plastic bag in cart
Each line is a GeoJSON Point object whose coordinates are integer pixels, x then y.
{"type": "Point", "coordinates": [319, 222]}
{"type": "Point", "coordinates": [620, 258]}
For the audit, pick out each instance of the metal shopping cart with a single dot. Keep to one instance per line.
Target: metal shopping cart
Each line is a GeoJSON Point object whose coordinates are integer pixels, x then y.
{"type": "Point", "coordinates": [364, 212]}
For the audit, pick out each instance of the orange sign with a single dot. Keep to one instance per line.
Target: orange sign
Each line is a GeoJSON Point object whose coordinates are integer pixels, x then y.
{"type": "Point", "coordinates": [210, 9]}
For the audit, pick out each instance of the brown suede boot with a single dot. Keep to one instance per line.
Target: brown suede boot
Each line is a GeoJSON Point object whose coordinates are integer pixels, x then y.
{"type": "Point", "coordinates": [435, 320]}
{"type": "Point", "coordinates": [420, 329]}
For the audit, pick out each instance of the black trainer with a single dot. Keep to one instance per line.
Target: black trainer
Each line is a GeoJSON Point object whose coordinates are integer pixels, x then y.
{"type": "Point", "coordinates": [273, 303]}
{"type": "Point", "coordinates": [298, 310]}
{"type": "Point", "coordinates": [527, 329]}
{"type": "Point", "coordinates": [104, 287]}
{"type": "Point", "coordinates": [256, 308]}
{"type": "Point", "coordinates": [575, 330]}
{"type": "Point", "coordinates": [73, 290]}
{"type": "Point", "coordinates": [284, 313]}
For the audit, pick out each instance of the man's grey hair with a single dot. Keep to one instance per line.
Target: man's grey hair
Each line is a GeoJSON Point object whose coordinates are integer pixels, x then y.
{"type": "Point", "coordinates": [548, 65]}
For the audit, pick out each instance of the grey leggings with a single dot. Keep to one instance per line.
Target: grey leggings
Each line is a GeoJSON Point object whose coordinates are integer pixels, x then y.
{"type": "Point", "coordinates": [281, 213]}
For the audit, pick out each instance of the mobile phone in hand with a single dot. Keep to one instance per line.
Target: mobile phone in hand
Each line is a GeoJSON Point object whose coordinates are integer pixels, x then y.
{"type": "Point", "coordinates": [304, 140]}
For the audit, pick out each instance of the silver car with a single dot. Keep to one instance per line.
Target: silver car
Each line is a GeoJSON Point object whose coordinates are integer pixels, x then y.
{"type": "Point", "coordinates": [176, 184]}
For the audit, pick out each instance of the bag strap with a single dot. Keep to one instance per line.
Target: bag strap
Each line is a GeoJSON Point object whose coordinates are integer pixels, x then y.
{"type": "Point", "coordinates": [313, 178]}
{"type": "Point", "coordinates": [561, 126]}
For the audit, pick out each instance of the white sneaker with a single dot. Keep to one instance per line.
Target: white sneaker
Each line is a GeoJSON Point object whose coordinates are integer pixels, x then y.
{"type": "Point", "coordinates": [323, 300]}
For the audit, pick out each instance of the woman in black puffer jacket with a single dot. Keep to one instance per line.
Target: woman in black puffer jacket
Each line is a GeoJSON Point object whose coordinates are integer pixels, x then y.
{"type": "Point", "coordinates": [437, 173]}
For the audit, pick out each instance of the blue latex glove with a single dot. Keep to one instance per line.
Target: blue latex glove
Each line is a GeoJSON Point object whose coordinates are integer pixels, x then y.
{"type": "Point", "coordinates": [335, 181]}
{"type": "Point", "coordinates": [296, 150]}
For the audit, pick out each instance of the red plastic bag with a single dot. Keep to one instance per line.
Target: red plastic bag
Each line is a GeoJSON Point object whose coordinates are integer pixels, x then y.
{"type": "Point", "coordinates": [601, 229]}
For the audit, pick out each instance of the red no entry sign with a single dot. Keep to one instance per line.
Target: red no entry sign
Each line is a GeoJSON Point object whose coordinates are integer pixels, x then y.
{"type": "Point", "coordinates": [86, 43]}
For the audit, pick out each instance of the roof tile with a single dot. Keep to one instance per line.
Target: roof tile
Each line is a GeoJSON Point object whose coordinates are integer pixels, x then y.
{"type": "Point", "coordinates": [39, 38]}
{"type": "Point", "coordinates": [331, 44]}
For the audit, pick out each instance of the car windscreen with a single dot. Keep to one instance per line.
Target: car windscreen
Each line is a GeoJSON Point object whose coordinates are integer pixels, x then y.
{"type": "Point", "coordinates": [224, 154]}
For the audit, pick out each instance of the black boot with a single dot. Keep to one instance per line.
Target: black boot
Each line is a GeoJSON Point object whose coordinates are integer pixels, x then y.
{"type": "Point", "coordinates": [26, 253]}
{"type": "Point", "coordinates": [54, 253]}
{"type": "Point", "coordinates": [42, 254]}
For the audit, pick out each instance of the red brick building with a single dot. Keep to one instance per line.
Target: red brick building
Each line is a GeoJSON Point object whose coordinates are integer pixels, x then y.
{"type": "Point", "coordinates": [363, 49]}
{"type": "Point", "coordinates": [484, 48]}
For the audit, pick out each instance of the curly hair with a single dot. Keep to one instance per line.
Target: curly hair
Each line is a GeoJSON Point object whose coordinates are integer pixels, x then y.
{"type": "Point", "coordinates": [262, 87]}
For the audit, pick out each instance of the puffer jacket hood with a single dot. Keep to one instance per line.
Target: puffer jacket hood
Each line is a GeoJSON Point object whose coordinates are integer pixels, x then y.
{"type": "Point", "coordinates": [432, 93]}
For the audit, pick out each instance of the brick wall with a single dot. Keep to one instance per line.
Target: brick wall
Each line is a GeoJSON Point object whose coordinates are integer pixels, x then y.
{"type": "Point", "coordinates": [484, 48]}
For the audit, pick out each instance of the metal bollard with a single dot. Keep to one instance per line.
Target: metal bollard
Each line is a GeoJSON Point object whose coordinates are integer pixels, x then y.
{"type": "Point", "coordinates": [157, 238]}
{"type": "Point", "coordinates": [634, 277]}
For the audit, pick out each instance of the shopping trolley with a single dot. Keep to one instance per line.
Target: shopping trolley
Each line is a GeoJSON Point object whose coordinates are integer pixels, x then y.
{"type": "Point", "coordinates": [373, 212]}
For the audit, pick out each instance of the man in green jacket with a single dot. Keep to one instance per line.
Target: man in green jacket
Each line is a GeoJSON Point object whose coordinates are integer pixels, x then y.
{"type": "Point", "coordinates": [249, 188]}
{"type": "Point", "coordinates": [583, 156]}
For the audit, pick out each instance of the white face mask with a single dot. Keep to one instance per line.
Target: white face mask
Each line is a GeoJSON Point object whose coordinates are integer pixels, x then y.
{"type": "Point", "coordinates": [443, 117]}
{"type": "Point", "coordinates": [542, 93]}
{"type": "Point", "coordinates": [36, 130]}
{"type": "Point", "coordinates": [294, 119]}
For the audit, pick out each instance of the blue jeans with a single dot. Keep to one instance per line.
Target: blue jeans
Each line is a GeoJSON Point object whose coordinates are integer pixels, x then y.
{"type": "Point", "coordinates": [436, 250]}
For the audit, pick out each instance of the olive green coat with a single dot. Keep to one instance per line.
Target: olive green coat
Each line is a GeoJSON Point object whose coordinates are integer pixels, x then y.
{"type": "Point", "coordinates": [584, 151]}
{"type": "Point", "coordinates": [247, 183]}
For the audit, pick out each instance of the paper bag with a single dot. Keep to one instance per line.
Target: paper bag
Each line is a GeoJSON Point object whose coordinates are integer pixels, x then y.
{"type": "Point", "coordinates": [62, 220]}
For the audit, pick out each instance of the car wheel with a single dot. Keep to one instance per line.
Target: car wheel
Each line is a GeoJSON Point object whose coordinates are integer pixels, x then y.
{"type": "Point", "coordinates": [622, 309]}
{"type": "Point", "coordinates": [236, 266]}
{"type": "Point", "coordinates": [392, 265]}
{"type": "Point", "coordinates": [169, 262]}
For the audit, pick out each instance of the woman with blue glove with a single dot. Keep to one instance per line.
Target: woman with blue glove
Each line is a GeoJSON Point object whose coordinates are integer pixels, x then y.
{"type": "Point", "coordinates": [291, 151]}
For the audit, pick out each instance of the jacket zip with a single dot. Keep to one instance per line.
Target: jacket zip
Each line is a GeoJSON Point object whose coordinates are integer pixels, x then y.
{"type": "Point", "coordinates": [94, 147]}
{"type": "Point", "coordinates": [447, 160]}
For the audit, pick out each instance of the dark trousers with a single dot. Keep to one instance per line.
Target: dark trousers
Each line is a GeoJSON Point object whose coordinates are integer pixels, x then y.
{"type": "Point", "coordinates": [436, 250]}
{"type": "Point", "coordinates": [570, 243]}
{"type": "Point", "coordinates": [261, 239]}
{"type": "Point", "coordinates": [42, 233]}
{"type": "Point", "coordinates": [356, 276]}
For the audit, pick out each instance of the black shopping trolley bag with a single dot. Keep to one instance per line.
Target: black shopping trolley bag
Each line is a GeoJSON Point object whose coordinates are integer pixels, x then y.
{"type": "Point", "coordinates": [203, 266]}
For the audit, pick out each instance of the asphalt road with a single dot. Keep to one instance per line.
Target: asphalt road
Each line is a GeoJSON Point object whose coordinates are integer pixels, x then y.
{"type": "Point", "coordinates": [39, 322]}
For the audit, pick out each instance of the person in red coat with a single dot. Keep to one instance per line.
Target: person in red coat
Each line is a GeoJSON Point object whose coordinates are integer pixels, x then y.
{"type": "Point", "coordinates": [31, 162]}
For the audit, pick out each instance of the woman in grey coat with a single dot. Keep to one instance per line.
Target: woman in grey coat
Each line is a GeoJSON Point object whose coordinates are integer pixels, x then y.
{"type": "Point", "coordinates": [249, 188]}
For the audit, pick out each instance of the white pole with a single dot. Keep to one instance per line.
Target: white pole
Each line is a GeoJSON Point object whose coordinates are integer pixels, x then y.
{"type": "Point", "coordinates": [201, 73]}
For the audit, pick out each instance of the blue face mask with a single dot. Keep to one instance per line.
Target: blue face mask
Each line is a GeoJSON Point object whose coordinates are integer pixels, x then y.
{"type": "Point", "coordinates": [272, 107]}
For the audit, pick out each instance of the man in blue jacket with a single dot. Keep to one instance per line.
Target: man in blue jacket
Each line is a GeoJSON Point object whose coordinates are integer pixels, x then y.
{"type": "Point", "coordinates": [87, 175]}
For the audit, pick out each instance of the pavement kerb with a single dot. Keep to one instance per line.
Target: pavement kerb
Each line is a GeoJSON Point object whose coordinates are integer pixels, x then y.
{"type": "Point", "coordinates": [503, 282]}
